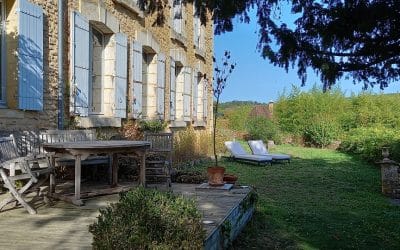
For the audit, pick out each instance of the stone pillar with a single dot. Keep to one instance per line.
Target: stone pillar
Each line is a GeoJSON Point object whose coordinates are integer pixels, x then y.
{"type": "Point", "coordinates": [390, 174]}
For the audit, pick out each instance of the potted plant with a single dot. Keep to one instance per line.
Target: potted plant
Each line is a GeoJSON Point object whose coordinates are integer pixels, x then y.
{"type": "Point", "coordinates": [221, 73]}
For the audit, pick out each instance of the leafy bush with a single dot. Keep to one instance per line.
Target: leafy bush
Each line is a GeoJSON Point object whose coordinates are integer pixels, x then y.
{"type": "Point", "coordinates": [319, 134]}
{"type": "Point", "coordinates": [261, 128]}
{"type": "Point", "coordinates": [153, 126]}
{"type": "Point", "coordinates": [368, 143]}
{"type": "Point", "coordinates": [148, 219]}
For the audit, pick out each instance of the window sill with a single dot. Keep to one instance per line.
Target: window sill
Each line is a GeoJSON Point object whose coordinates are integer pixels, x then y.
{"type": "Point", "coordinates": [98, 121]}
{"type": "Point", "coordinates": [178, 37]}
{"type": "Point", "coordinates": [178, 124]}
{"type": "Point", "coordinates": [199, 124]}
{"type": "Point", "coordinates": [131, 6]}
{"type": "Point", "coordinates": [200, 52]}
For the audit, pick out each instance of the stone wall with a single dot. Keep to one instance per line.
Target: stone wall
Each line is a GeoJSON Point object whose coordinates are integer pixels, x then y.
{"type": "Point", "coordinates": [119, 16]}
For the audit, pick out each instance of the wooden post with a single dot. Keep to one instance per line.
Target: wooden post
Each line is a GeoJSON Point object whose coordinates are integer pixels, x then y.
{"type": "Point", "coordinates": [143, 169]}
{"type": "Point", "coordinates": [77, 198]}
{"type": "Point", "coordinates": [114, 170]}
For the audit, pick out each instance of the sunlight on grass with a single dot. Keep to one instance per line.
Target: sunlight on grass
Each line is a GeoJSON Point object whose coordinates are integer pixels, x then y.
{"type": "Point", "coordinates": [322, 200]}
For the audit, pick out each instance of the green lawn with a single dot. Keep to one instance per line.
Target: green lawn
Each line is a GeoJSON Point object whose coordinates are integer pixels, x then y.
{"type": "Point", "coordinates": [322, 200]}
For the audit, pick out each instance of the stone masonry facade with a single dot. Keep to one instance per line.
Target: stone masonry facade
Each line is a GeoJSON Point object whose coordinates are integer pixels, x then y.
{"type": "Point", "coordinates": [172, 48]}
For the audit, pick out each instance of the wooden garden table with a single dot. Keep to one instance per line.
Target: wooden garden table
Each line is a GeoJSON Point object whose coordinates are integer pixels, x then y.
{"type": "Point", "coordinates": [80, 150]}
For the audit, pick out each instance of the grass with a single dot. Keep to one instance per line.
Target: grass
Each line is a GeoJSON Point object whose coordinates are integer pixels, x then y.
{"type": "Point", "coordinates": [322, 200]}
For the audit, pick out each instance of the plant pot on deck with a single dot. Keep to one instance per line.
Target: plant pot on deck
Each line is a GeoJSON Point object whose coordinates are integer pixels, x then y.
{"type": "Point", "coordinates": [215, 176]}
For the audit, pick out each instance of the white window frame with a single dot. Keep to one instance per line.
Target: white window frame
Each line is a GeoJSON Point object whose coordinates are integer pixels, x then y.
{"type": "Point", "coordinates": [97, 112]}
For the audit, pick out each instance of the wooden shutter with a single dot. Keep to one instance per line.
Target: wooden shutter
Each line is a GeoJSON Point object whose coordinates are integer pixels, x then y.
{"type": "Point", "coordinates": [137, 79]}
{"type": "Point", "coordinates": [177, 16]}
{"type": "Point", "coordinates": [172, 104]}
{"type": "Point", "coordinates": [160, 83]}
{"type": "Point", "coordinates": [30, 56]}
{"type": "Point", "coordinates": [80, 61]}
{"type": "Point", "coordinates": [205, 98]}
{"type": "Point", "coordinates": [195, 94]}
{"type": "Point", "coordinates": [186, 94]}
{"type": "Point", "coordinates": [196, 27]}
{"type": "Point", "coordinates": [121, 74]}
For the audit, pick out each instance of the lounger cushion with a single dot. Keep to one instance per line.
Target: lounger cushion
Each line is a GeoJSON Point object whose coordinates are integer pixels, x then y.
{"type": "Point", "coordinates": [258, 147]}
{"type": "Point", "coordinates": [235, 148]}
{"type": "Point", "coordinates": [257, 158]}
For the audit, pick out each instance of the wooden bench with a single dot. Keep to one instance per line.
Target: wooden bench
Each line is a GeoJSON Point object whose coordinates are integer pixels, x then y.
{"type": "Point", "coordinates": [14, 167]}
{"type": "Point", "coordinates": [50, 136]}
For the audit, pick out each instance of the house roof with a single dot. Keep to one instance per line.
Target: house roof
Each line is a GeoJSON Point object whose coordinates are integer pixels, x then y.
{"type": "Point", "coordinates": [260, 110]}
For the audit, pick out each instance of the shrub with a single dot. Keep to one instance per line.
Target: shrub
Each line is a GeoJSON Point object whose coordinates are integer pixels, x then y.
{"type": "Point", "coordinates": [319, 134]}
{"type": "Point", "coordinates": [368, 143]}
{"type": "Point", "coordinates": [261, 128]}
{"type": "Point", "coordinates": [148, 219]}
{"type": "Point", "coordinates": [153, 126]}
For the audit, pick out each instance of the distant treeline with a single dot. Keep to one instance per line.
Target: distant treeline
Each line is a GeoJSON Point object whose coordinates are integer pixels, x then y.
{"type": "Point", "coordinates": [359, 124]}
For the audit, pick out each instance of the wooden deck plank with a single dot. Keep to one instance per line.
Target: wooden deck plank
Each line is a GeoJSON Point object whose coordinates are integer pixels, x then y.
{"type": "Point", "coordinates": [65, 226]}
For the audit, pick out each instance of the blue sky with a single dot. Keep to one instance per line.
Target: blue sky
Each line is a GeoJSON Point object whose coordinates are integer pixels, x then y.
{"type": "Point", "coordinates": [255, 79]}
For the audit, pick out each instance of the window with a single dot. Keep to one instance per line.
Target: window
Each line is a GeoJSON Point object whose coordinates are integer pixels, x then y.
{"type": "Point", "coordinates": [96, 70]}
{"type": "Point", "coordinates": [99, 70]}
{"type": "Point", "coordinates": [149, 71]}
{"type": "Point", "coordinates": [177, 16]}
{"type": "Point", "coordinates": [198, 30]}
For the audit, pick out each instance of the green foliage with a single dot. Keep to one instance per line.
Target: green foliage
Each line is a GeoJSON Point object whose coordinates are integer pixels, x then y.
{"type": "Point", "coordinates": [237, 117]}
{"type": "Point", "coordinates": [262, 128]}
{"type": "Point", "coordinates": [368, 143]}
{"type": "Point", "coordinates": [148, 219]}
{"type": "Point", "coordinates": [319, 134]}
{"type": "Point", "coordinates": [153, 126]}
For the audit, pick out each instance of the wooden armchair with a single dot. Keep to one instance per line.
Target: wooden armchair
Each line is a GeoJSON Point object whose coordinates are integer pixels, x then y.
{"type": "Point", "coordinates": [159, 157]}
{"type": "Point", "coordinates": [13, 168]}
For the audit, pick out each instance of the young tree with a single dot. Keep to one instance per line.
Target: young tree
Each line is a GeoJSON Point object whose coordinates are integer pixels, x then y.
{"type": "Point", "coordinates": [221, 74]}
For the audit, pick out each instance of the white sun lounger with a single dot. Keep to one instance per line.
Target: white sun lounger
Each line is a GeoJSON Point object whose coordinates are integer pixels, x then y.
{"type": "Point", "coordinates": [258, 148]}
{"type": "Point", "coordinates": [238, 153]}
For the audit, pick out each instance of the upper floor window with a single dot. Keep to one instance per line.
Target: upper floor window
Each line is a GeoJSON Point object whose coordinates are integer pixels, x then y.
{"type": "Point", "coordinates": [198, 30]}
{"type": "Point", "coordinates": [177, 16]}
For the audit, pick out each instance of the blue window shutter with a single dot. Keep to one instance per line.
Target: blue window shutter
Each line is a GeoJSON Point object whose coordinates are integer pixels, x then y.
{"type": "Point", "coordinates": [160, 84]}
{"type": "Point", "coordinates": [205, 98]}
{"type": "Point", "coordinates": [121, 74]}
{"type": "Point", "coordinates": [137, 79]}
{"type": "Point", "coordinates": [172, 91]}
{"type": "Point", "coordinates": [30, 56]}
{"type": "Point", "coordinates": [195, 94]}
{"type": "Point", "coordinates": [80, 65]}
{"type": "Point", "coordinates": [186, 94]}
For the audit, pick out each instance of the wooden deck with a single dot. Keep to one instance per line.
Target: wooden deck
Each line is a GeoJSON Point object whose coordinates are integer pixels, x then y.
{"type": "Point", "coordinates": [65, 226]}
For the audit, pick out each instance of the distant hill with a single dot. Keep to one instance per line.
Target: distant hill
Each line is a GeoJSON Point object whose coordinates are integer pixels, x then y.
{"type": "Point", "coordinates": [236, 104]}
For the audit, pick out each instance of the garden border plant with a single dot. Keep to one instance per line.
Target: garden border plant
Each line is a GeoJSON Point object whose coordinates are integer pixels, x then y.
{"type": "Point", "coordinates": [149, 219]}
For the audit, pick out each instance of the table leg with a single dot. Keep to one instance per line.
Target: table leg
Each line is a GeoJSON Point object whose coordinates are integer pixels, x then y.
{"type": "Point", "coordinates": [77, 199]}
{"type": "Point", "coordinates": [52, 184]}
{"type": "Point", "coordinates": [114, 170]}
{"type": "Point", "coordinates": [143, 170]}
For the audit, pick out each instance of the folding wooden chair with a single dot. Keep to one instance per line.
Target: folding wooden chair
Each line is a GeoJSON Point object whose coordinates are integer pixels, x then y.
{"type": "Point", "coordinates": [159, 157]}
{"type": "Point", "coordinates": [14, 168]}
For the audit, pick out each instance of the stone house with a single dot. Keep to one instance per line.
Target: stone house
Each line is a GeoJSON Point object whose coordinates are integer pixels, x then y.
{"type": "Point", "coordinates": [109, 63]}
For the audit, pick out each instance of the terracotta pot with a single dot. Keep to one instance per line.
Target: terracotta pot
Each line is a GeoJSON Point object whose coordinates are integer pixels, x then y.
{"type": "Point", "coordinates": [230, 178]}
{"type": "Point", "coordinates": [215, 176]}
